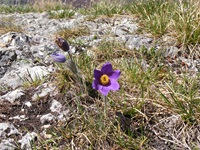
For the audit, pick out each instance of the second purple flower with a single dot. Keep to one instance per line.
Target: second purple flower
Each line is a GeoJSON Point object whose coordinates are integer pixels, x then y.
{"type": "Point", "coordinates": [58, 57]}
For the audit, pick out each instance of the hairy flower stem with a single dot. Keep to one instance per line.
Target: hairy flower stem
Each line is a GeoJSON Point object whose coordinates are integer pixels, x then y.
{"type": "Point", "coordinates": [105, 107]}
{"type": "Point", "coordinates": [74, 69]}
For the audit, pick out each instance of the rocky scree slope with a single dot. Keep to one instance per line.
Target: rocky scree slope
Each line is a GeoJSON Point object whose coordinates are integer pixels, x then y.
{"type": "Point", "coordinates": [26, 114]}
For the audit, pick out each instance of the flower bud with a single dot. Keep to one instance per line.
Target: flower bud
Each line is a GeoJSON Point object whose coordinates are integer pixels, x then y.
{"type": "Point", "coordinates": [62, 44]}
{"type": "Point", "coordinates": [58, 57]}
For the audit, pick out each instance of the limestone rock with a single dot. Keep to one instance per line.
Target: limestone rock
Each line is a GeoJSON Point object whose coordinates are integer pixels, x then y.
{"type": "Point", "coordinates": [7, 144]}
{"type": "Point", "coordinates": [15, 40]}
{"type": "Point", "coordinates": [56, 106]}
{"type": "Point", "coordinates": [12, 95]}
{"type": "Point", "coordinates": [15, 78]}
{"type": "Point", "coordinates": [27, 140]}
{"type": "Point", "coordinates": [138, 42]}
{"type": "Point", "coordinates": [7, 129]}
{"type": "Point", "coordinates": [47, 118]}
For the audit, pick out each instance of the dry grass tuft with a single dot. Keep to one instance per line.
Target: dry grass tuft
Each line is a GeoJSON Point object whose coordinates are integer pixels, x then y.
{"type": "Point", "coordinates": [72, 33]}
{"type": "Point", "coordinates": [8, 25]}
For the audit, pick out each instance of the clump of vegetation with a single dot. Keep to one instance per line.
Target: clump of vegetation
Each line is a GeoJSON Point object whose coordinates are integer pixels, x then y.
{"type": "Point", "coordinates": [155, 15]}
{"type": "Point", "coordinates": [185, 23]}
{"type": "Point", "coordinates": [41, 6]}
{"type": "Point", "coordinates": [148, 94]}
{"type": "Point", "coordinates": [8, 25]}
{"type": "Point", "coordinates": [32, 81]}
{"type": "Point", "coordinates": [105, 8]}
{"type": "Point", "coordinates": [72, 33]}
{"type": "Point", "coordinates": [66, 13]}
{"type": "Point", "coordinates": [177, 18]}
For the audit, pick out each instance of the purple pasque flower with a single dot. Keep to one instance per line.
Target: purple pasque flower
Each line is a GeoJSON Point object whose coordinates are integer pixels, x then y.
{"type": "Point", "coordinates": [106, 79]}
{"type": "Point", "coordinates": [58, 57]}
{"type": "Point", "coordinates": [62, 43]}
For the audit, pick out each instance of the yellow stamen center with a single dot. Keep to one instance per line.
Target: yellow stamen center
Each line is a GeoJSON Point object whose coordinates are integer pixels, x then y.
{"type": "Point", "coordinates": [104, 79]}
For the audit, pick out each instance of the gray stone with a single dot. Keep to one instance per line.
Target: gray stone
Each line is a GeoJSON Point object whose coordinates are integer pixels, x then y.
{"type": "Point", "coordinates": [43, 50]}
{"type": "Point", "coordinates": [136, 42]}
{"type": "Point", "coordinates": [7, 56]}
{"type": "Point", "coordinates": [8, 129]}
{"type": "Point", "coordinates": [124, 29]}
{"type": "Point", "coordinates": [12, 95]}
{"type": "Point", "coordinates": [15, 40]}
{"type": "Point", "coordinates": [43, 90]}
{"type": "Point", "coordinates": [2, 71]}
{"type": "Point", "coordinates": [27, 140]}
{"type": "Point", "coordinates": [56, 106]}
{"type": "Point", "coordinates": [15, 78]}
{"type": "Point", "coordinates": [171, 51]}
{"type": "Point", "coordinates": [64, 115]}
{"type": "Point", "coordinates": [28, 104]}
{"type": "Point", "coordinates": [47, 118]}
{"type": "Point", "coordinates": [7, 144]}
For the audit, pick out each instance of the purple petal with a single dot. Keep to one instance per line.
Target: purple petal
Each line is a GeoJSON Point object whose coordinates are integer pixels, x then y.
{"type": "Point", "coordinates": [104, 90]}
{"type": "Point", "coordinates": [107, 68]}
{"type": "Point", "coordinates": [99, 86]}
{"type": "Point", "coordinates": [97, 74]}
{"type": "Point", "coordinates": [114, 85]}
{"type": "Point", "coordinates": [94, 85]}
{"type": "Point", "coordinates": [115, 74]}
{"type": "Point", "coordinates": [58, 57]}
